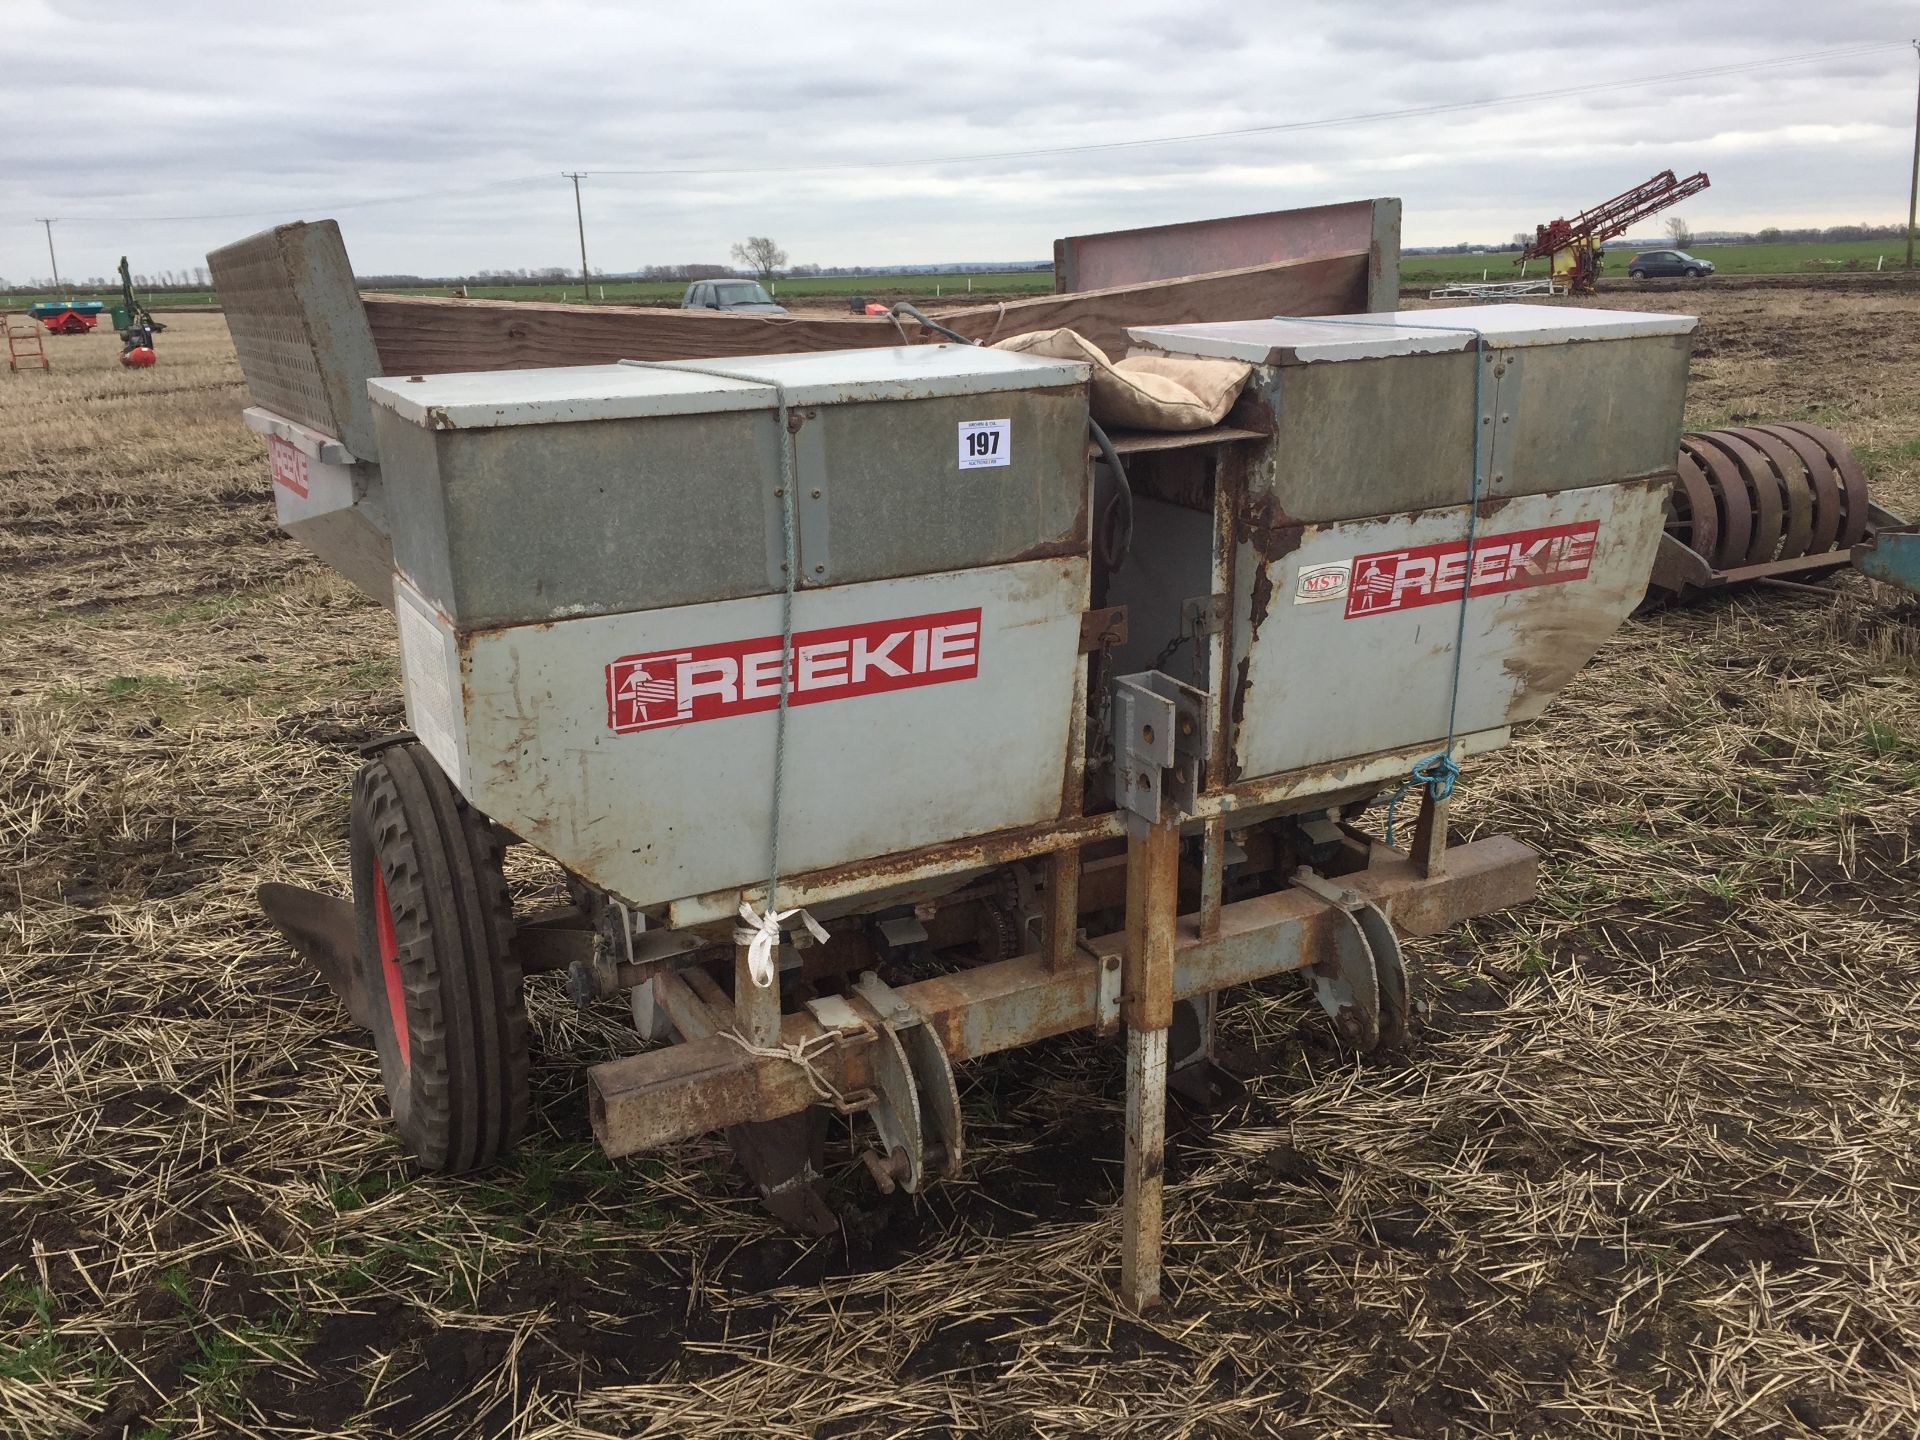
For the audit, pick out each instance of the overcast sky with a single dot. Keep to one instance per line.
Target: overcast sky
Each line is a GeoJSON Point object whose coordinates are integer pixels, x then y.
{"type": "Point", "coordinates": [129, 121]}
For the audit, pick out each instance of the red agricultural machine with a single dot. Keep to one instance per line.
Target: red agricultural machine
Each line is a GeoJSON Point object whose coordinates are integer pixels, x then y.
{"type": "Point", "coordinates": [67, 317]}
{"type": "Point", "coordinates": [1572, 247]}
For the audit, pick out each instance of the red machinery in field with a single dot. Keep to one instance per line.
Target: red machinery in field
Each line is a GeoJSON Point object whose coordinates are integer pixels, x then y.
{"type": "Point", "coordinates": [67, 317]}
{"type": "Point", "coordinates": [1572, 247]}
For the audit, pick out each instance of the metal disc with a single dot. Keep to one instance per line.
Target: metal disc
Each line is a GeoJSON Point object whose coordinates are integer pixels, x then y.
{"type": "Point", "coordinates": [1390, 968]}
{"type": "Point", "coordinates": [1736, 510]}
{"type": "Point", "coordinates": [1703, 520]}
{"type": "Point", "coordinates": [1794, 489]}
{"type": "Point", "coordinates": [1769, 509]}
{"type": "Point", "coordinates": [1828, 506]}
{"type": "Point", "coordinates": [1346, 983]}
{"type": "Point", "coordinates": [939, 1096]}
{"type": "Point", "coordinates": [1854, 525]}
{"type": "Point", "coordinates": [897, 1114]}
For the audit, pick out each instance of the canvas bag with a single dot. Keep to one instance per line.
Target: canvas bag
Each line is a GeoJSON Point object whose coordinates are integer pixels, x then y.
{"type": "Point", "coordinates": [1144, 392]}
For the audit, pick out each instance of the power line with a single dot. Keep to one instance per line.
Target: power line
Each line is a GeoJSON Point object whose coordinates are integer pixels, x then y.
{"type": "Point", "coordinates": [1410, 112]}
{"type": "Point", "coordinates": [280, 211]}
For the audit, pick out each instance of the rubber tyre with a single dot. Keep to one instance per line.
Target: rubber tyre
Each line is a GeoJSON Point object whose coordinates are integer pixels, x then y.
{"type": "Point", "coordinates": [435, 926]}
{"type": "Point", "coordinates": [1636, 274]}
{"type": "Point", "coordinates": [1693, 274]}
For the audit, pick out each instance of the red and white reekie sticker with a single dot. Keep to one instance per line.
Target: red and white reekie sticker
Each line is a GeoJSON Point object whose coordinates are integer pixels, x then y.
{"type": "Point", "coordinates": [289, 465]}
{"type": "Point", "coordinates": [740, 677]}
{"type": "Point", "coordinates": [1428, 574]}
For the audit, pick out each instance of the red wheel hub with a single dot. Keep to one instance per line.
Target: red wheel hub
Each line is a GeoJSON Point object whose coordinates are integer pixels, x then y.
{"type": "Point", "coordinates": [390, 961]}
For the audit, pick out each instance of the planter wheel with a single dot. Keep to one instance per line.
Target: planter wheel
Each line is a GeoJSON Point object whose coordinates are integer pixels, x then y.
{"type": "Point", "coordinates": [434, 925]}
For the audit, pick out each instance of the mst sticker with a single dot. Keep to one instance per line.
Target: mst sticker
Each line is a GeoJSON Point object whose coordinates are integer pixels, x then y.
{"type": "Point", "coordinates": [289, 465]}
{"type": "Point", "coordinates": [1429, 574]}
{"type": "Point", "coordinates": [1322, 582]}
{"type": "Point", "coordinates": [985, 442]}
{"type": "Point", "coordinates": [741, 677]}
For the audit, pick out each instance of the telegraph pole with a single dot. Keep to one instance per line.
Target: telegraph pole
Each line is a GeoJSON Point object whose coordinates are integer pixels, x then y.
{"type": "Point", "coordinates": [581, 220]}
{"type": "Point", "coordinates": [56, 264]}
{"type": "Point", "coordinates": [1913, 194]}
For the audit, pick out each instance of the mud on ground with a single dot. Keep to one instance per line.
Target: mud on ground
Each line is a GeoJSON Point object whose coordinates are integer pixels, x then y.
{"type": "Point", "coordinates": [1650, 1167]}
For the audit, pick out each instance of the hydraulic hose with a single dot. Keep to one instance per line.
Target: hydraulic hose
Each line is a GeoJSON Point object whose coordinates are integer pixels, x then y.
{"type": "Point", "coordinates": [903, 308]}
{"type": "Point", "coordinates": [1114, 543]}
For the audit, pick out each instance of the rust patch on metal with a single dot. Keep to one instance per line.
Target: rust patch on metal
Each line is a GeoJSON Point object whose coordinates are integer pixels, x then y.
{"type": "Point", "coordinates": [1262, 599]}
{"type": "Point", "coordinates": [1072, 543]}
{"type": "Point", "coordinates": [1242, 683]}
{"type": "Point", "coordinates": [997, 847]}
{"type": "Point", "coordinates": [1100, 628]}
{"type": "Point", "coordinates": [1264, 525]}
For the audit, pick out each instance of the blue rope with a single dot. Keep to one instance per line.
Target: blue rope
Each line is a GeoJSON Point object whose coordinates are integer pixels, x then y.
{"type": "Point", "coordinates": [1439, 771]}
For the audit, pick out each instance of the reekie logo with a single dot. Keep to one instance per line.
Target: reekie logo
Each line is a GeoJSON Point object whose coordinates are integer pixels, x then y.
{"type": "Point", "coordinates": [1428, 574]}
{"type": "Point", "coordinates": [742, 677]}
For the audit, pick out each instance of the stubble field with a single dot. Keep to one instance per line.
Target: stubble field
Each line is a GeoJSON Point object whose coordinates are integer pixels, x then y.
{"type": "Point", "coordinates": [1651, 1167]}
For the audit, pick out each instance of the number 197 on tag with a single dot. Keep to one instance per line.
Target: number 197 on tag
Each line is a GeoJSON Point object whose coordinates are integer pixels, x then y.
{"type": "Point", "coordinates": [985, 442]}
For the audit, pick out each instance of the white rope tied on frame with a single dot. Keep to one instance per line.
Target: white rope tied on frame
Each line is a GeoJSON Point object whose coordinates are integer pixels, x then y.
{"type": "Point", "coordinates": [802, 1053]}
{"type": "Point", "coordinates": [760, 933]}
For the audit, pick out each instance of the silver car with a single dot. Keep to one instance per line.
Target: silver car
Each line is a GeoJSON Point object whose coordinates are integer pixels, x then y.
{"type": "Point", "coordinates": [744, 295]}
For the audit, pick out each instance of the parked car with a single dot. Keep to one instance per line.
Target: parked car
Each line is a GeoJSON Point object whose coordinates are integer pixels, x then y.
{"type": "Point", "coordinates": [744, 295]}
{"type": "Point", "coordinates": [1649, 263]}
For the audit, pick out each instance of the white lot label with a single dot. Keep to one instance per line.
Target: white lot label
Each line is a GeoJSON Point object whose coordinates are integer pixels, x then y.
{"type": "Point", "coordinates": [985, 442]}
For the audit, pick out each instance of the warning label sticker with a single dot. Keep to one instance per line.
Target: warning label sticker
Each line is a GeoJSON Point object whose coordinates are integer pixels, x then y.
{"type": "Point", "coordinates": [1429, 574]}
{"type": "Point", "coordinates": [741, 677]}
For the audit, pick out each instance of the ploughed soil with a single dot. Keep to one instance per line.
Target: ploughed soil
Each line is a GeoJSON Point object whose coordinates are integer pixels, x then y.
{"type": "Point", "coordinates": [1648, 1167]}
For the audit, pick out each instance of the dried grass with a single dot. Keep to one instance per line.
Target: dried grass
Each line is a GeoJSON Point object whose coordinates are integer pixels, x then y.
{"type": "Point", "coordinates": [1650, 1169]}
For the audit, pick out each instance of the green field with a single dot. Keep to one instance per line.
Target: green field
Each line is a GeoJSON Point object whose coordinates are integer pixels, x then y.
{"type": "Point", "coordinates": [944, 288]}
{"type": "Point", "coordinates": [1794, 259]}
{"type": "Point", "coordinates": [1822, 257]}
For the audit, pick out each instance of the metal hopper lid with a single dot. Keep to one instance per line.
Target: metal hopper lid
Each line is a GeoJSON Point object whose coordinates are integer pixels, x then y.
{"type": "Point", "coordinates": [486, 399]}
{"type": "Point", "coordinates": [1403, 332]}
{"type": "Point", "coordinates": [900, 372]}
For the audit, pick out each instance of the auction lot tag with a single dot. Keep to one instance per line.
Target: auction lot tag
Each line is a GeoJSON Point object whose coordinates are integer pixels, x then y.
{"type": "Point", "coordinates": [985, 442]}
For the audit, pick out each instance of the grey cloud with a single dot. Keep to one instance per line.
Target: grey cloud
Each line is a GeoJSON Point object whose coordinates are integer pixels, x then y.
{"type": "Point", "coordinates": [298, 112]}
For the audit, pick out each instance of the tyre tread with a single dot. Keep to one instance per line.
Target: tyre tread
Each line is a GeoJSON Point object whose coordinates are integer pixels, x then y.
{"type": "Point", "coordinates": [467, 1086]}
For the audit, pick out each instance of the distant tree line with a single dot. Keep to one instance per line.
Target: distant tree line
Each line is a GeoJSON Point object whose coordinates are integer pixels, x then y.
{"type": "Point", "coordinates": [1774, 236]}
{"type": "Point", "coordinates": [158, 282]}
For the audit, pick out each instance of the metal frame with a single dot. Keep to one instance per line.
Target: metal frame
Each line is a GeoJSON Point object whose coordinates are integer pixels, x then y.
{"type": "Point", "coordinates": [701, 1084]}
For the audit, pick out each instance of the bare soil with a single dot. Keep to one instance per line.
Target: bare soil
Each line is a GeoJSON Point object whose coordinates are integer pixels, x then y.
{"type": "Point", "coordinates": [1649, 1167]}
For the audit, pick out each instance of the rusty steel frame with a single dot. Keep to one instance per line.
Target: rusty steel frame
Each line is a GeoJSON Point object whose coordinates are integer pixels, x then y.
{"type": "Point", "coordinates": [1319, 786]}
{"type": "Point", "coordinates": [1146, 1008]}
{"type": "Point", "coordinates": [680, 1091]}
